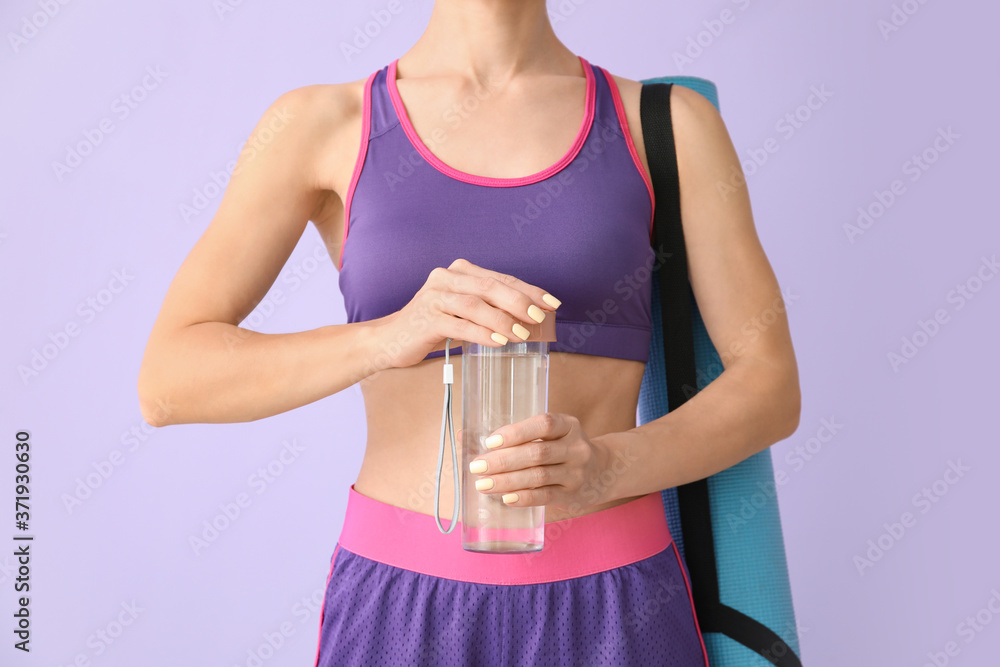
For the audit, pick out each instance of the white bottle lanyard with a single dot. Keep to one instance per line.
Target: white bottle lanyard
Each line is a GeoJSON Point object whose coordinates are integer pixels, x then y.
{"type": "Point", "coordinates": [446, 422]}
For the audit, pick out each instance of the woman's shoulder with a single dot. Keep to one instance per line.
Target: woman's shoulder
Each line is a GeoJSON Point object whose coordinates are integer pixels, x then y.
{"type": "Point", "coordinates": [697, 124]}
{"type": "Point", "coordinates": [695, 120]}
{"type": "Point", "coordinates": [329, 103]}
{"type": "Point", "coordinates": [321, 125]}
{"type": "Point", "coordinates": [683, 99]}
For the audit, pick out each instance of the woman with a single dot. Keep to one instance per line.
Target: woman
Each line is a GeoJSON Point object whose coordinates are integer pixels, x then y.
{"type": "Point", "coordinates": [486, 180]}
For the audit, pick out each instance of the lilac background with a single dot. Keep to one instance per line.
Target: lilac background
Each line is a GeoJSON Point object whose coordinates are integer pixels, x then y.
{"type": "Point", "coordinates": [62, 239]}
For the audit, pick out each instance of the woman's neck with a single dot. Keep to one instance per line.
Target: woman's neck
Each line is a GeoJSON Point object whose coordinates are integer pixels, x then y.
{"type": "Point", "coordinates": [488, 41]}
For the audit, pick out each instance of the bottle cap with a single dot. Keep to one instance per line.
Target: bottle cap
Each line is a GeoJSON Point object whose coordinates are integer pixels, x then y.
{"type": "Point", "coordinates": [544, 330]}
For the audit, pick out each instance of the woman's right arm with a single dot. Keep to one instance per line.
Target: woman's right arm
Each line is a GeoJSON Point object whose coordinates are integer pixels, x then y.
{"type": "Point", "coordinates": [199, 366]}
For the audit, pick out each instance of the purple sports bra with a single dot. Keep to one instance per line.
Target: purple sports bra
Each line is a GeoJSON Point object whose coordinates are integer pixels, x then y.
{"type": "Point", "coordinates": [580, 229]}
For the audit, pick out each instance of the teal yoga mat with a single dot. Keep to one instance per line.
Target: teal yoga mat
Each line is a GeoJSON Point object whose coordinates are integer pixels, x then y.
{"type": "Point", "coordinates": [746, 523]}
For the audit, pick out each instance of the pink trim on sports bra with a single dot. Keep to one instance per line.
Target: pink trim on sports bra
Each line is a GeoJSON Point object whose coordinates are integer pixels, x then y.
{"type": "Point", "coordinates": [623, 121]}
{"type": "Point", "coordinates": [366, 128]}
{"type": "Point", "coordinates": [404, 119]}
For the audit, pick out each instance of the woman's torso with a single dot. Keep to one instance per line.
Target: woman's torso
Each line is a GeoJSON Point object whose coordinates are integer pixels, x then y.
{"type": "Point", "coordinates": [529, 130]}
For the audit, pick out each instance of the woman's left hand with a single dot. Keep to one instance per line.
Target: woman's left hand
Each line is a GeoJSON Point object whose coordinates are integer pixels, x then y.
{"type": "Point", "coordinates": [544, 460]}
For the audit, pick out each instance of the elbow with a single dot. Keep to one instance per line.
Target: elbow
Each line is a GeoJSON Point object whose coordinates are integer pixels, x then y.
{"type": "Point", "coordinates": [153, 412]}
{"type": "Point", "coordinates": [791, 406]}
{"type": "Point", "coordinates": [779, 403]}
{"type": "Point", "coordinates": [780, 400]}
{"type": "Point", "coordinates": [794, 413]}
{"type": "Point", "coordinates": [156, 410]}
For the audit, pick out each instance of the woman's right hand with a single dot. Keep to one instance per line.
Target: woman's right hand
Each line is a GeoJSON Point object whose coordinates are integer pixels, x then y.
{"type": "Point", "coordinates": [463, 302]}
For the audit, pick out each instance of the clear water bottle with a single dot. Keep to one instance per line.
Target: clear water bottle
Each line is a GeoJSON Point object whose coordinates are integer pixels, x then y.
{"type": "Point", "coordinates": [500, 386]}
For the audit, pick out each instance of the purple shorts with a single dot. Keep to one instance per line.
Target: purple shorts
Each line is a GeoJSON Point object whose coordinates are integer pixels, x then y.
{"type": "Point", "coordinates": [607, 589]}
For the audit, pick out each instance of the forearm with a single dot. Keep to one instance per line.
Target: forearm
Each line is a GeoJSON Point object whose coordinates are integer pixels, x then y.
{"type": "Point", "coordinates": [215, 372]}
{"type": "Point", "coordinates": [747, 408]}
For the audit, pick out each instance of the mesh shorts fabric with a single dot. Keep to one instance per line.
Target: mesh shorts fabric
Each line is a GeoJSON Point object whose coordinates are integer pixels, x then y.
{"type": "Point", "coordinates": [379, 614]}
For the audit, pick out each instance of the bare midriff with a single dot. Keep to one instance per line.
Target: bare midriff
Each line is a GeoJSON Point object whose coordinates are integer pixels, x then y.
{"type": "Point", "coordinates": [403, 408]}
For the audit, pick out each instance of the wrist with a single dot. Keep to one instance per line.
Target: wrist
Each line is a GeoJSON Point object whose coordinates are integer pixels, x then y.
{"type": "Point", "coordinates": [370, 348]}
{"type": "Point", "coordinates": [620, 464]}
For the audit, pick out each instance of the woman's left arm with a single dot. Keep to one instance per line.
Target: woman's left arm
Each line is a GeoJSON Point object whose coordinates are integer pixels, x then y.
{"type": "Point", "coordinates": [753, 403]}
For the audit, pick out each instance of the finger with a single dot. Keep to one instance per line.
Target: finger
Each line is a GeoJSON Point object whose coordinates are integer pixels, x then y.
{"type": "Point", "coordinates": [530, 478]}
{"type": "Point", "coordinates": [463, 329]}
{"type": "Point", "coordinates": [476, 310]}
{"type": "Point", "coordinates": [546, 495]}
{"type": "Point", "coordinates": [495, 293]}
{"type": "Point", "coordinates": [521, 457]}
{"type": "Point", "coordinates": [547, 426]}
{"type": "Point", "coordinates": [535, 294]}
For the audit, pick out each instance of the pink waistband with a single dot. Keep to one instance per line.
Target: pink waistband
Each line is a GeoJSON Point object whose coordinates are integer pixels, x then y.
{"type": "Point", "coordinates": [574, 547]}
